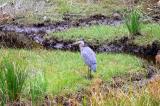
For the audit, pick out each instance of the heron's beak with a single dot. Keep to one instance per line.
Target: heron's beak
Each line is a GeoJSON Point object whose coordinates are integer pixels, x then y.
{"type": "Point", "coordinates": [76, 43]}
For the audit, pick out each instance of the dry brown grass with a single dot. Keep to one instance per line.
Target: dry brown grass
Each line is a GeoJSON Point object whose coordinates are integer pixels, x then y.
{"type": "Point", "coordinates": [157, 58]}
{"type": "Point", "coordinates": [154, 88]}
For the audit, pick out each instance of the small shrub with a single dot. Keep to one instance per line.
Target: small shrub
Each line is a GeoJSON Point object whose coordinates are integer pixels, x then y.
{"type": "Point", "coordinates": [132, 22]}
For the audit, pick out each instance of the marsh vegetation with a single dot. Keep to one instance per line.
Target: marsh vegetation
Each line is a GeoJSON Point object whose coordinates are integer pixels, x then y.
{"type": "Point", "coordinates": [38, 66]}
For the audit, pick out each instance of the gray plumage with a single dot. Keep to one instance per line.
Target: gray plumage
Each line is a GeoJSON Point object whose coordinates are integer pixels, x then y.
{"type": "Point", "coordinates": [88, 56]}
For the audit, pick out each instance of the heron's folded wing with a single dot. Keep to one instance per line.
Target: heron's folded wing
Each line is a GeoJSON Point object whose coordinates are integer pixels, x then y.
{"type": "Point", "coordinates": [88, 56]}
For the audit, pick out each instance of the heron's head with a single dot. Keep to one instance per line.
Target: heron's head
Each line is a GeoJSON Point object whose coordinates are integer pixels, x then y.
{"type": "Point", "coordinates": [80, 43]}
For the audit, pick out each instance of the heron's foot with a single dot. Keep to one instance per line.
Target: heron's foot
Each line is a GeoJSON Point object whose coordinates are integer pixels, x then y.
{"type": "Point", "coordinates": [89, 77]}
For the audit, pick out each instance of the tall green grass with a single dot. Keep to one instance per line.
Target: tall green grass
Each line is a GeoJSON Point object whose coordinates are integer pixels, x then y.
{"type": "Point", "coordinates": [17, 81]}
{"type": "Point", "coordinates": [38, 87]}
{"type": "Point", "coordinates": [13, 77]}
{"type": "Point", "coordinates": [2, 89]}
{"type": "Point", "coordinates": [133, 23]}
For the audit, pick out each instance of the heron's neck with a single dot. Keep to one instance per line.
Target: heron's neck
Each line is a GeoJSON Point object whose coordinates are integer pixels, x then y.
{"type": "Point", "coordinates": [81, 47]}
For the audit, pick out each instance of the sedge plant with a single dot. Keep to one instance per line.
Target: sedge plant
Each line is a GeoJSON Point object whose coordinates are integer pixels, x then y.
{"type": "Point", "coordinates": [132, 22]}
{"type": "Point", "coordinates": [12, 80]}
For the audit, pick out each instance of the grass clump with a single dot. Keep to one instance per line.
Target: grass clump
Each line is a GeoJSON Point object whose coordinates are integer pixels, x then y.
{"type": "Point", "coordinates": [16, 81]}
{"type": "Point", "coordinates": [38, 86]}
{"type": "Point", "coordinates": [12, 80]}
{"type": "Point", "coordinates": [132, 22]}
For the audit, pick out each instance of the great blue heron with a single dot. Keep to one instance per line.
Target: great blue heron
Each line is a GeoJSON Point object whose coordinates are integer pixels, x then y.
{"type": "Point", "coordinates": [88, 55]}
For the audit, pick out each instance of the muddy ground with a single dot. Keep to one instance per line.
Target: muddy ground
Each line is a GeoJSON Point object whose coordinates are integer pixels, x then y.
{"type": "Point", "coordinates": [63, 25]}
{"type": "Point", "coordinates": [38, 32]}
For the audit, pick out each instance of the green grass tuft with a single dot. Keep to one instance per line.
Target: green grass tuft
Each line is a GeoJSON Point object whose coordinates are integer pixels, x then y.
{"type": "Point", "coordinates": [13, 77]}
{"type": "Point", "coordinates": [133, 23]}
{"type": "Point", "coordinates": [38, 86]}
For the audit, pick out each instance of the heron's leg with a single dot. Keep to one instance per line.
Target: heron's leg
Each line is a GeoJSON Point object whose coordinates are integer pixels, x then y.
{"type": "Point", "coordinates": [90, 76]}
{"type": "Point", "coordinates": [88, 72]}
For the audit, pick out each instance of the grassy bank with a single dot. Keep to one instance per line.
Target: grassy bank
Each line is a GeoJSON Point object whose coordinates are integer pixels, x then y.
{"type": "Point", "coordinates": [92, 33]}
{"type": "Point", "coordinates": [150, 32]}
{"type": "Point", "coordinates": [65, 71]}
{"type": "Point", "coordinates": [102, 33]}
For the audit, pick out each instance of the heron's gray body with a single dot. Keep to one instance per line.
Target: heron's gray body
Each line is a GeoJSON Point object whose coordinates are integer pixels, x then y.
{"type": "Point", "coordinates": [89, 57]}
